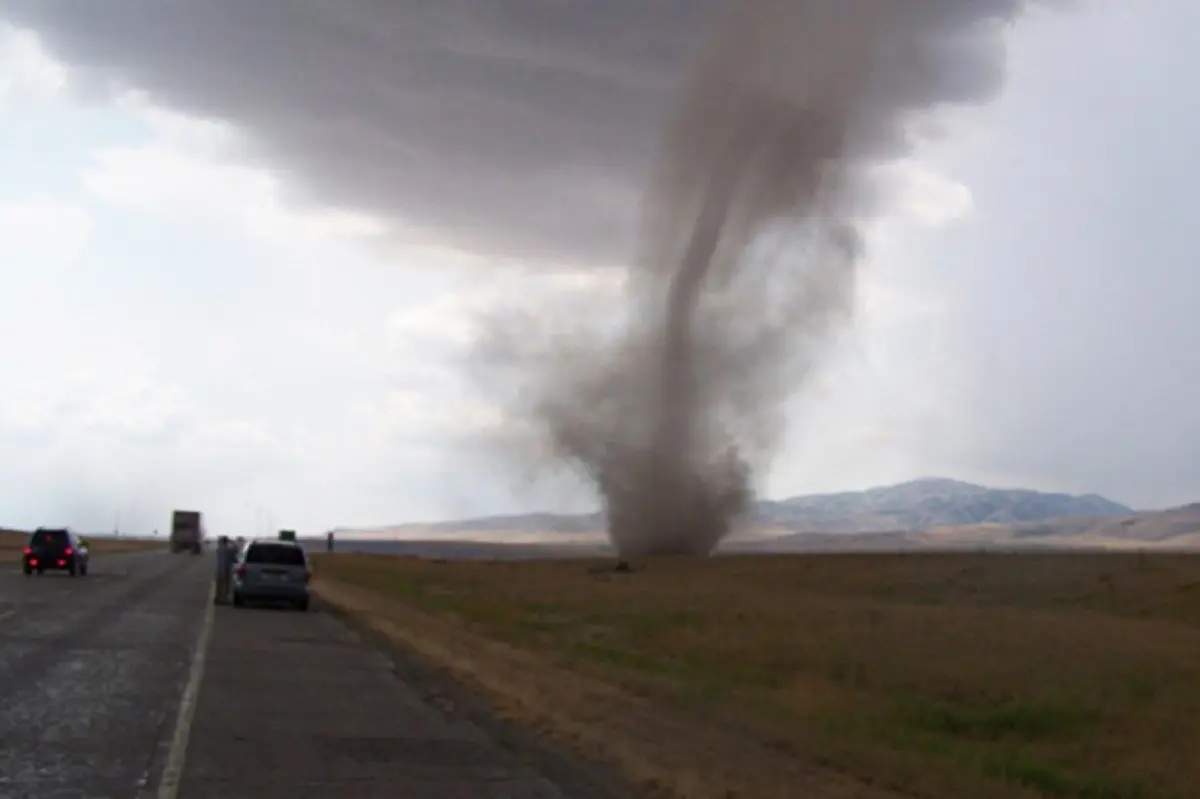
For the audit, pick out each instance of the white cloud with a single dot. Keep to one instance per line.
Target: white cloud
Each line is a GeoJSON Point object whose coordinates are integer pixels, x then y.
{"type": "Point", "coordinates": [129, 407]}
{"type": "Point", "coordinates": [445, 323]}
{"type": "Point", "coordinates": [64, 393]}
{"type": "Point", "coordinates": [456, 319]}
{"type": "Point", "coordinates": [236, 440]}
{"type": "Point", "coordinates": [103, 426]}
{"type": "Point", "coordinates": [189, 170]}
{"type": "Point", "coordinates": [41, 229]}
{"type": "Point", "coordinates": [198, 137]}
{"type": "Point", "coordinates": [164, 181]}
{"type": "Point", "coordinates": [884, 303]}
{"type": "Point", "coordinates": [433, 417]}
{"type": "Point", "coordinates": [28, 74]}
{"type": "Point", "coordinates": [923, 196]}
{"type": "Point", "coordinates": [110, 417]}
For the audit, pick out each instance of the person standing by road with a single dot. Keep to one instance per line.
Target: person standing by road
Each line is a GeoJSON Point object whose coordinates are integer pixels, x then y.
{"type": "Point", "coordinates": [224, 569]}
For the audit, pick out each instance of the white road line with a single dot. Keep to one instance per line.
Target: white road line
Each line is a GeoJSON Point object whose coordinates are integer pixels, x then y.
{"type": "Point", "coordinates": [168, 787]}
{"type": "Point", "coordinates": [6, 614]}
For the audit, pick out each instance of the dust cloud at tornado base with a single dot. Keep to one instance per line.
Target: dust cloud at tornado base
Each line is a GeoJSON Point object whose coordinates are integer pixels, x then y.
{"type": "Point", "coordinates": [669, 397]}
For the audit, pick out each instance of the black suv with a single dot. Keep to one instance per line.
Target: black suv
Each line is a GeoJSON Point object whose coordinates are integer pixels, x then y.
{"type": "Point", "coordinates": [56, 550]}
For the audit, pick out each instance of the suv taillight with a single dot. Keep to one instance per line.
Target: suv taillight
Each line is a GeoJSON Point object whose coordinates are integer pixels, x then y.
{"type": "Point", "coordinates": [68, 551]}
{"type": "Point", "coordinates": [28, 551]}
{"type": "Point", "coordinates": [307, 574]}
{"type": "Point", "coordinates": [240, 572]}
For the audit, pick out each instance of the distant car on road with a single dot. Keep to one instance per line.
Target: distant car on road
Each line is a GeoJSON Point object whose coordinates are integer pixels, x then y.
{"type": "Point", "coordinates": [272, 570]}
{"type": "Point", "coordinates": [51, 549]}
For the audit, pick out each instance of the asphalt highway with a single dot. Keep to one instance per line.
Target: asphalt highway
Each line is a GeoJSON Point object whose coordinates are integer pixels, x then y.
{"type": "Point", "coordinates": [129, 684]}
{"type": "Point", "coordinates": [90, 673]}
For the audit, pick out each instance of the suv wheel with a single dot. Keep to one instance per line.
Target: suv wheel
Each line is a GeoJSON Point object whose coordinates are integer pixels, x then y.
{"type": "Point", "coordinates": [237, 600]}
{"type": "Point", "coordinates": [28, 570]}
{"type": "Point", "coordinates": [302, 604]}
{"type": "Point", "coordinates": [83, 570]}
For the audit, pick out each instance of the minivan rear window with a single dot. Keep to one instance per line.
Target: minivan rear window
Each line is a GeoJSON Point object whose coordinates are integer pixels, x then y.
{"type": "Point", "coordinates": [275, 554]}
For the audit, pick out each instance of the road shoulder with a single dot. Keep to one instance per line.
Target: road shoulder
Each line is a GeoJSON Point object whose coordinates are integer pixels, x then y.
{"type": "Point", "coordinates": [577, 777]}
{"type": "Point", "coordinates": [300, 704]}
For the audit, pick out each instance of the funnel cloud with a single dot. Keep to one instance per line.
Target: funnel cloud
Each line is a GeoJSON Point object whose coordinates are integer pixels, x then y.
{"type": "Point", "coordinates": [671, 400]}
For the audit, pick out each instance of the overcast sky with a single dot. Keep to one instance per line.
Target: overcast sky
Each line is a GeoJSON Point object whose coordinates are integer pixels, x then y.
{"type": "Point", "coordinates": [241, 245]}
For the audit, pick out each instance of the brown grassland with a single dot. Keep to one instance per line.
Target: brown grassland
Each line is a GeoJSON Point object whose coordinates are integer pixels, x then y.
{"type": "Point", "coordinates": [12, 542]}
{"type": "Point", "coordinates": [964, 676]}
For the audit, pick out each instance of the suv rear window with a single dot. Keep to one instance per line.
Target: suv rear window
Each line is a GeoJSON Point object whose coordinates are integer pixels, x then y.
{"type": "Point", "coordinates": [276, 554]}
{"type": "Point", "coordinates": [55, 538]}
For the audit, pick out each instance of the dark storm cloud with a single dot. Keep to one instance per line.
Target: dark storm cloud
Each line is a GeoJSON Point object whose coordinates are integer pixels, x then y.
{"type": "Point", "coordinates": [522, 127]}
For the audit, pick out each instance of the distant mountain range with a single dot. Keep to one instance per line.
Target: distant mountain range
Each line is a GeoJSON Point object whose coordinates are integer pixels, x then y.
{"type": "Point", "coordinates": [1176, 530]}
{"type": "Point", "coordinates": [924, 504]}
{"type": "Point", "coordinates": [915, 506]}
{"type": "Point", "coordinates": [1172, 530]}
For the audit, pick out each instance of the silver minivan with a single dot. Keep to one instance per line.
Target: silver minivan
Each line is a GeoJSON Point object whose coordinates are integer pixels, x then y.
{"type": "Point", "coordinates": [272, 571]}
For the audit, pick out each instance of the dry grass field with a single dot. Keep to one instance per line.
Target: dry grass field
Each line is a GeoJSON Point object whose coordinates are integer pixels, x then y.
{"type": "Point", "coordinates": [967, 676]}
{"type": "Point", "coordinates": [12, 542]}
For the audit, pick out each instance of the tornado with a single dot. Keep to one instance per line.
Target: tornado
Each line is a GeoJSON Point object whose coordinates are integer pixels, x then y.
{"type": "Point", "coordinates": [670, 398]}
